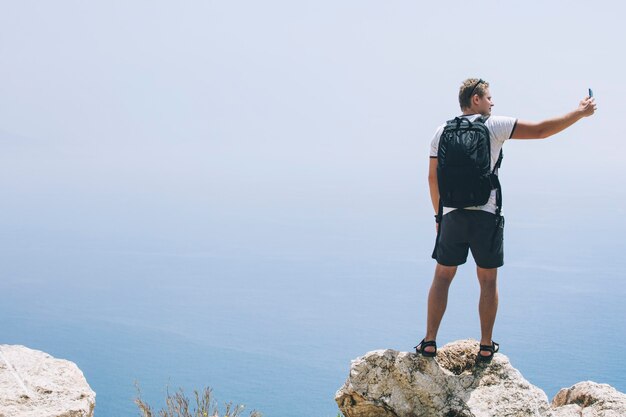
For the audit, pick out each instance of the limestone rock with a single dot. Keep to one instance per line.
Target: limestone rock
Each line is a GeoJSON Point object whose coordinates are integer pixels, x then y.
{"type": "Point", "coordinates": [387, 383]}
{"type": "Point", "coordinates": [589, 399]}
{"type": "Point", "coordinates": [34, 384]}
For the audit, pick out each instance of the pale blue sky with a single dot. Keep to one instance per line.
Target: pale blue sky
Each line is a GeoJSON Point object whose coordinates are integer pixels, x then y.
{"type": "Point", "coordinates": [260, 95]}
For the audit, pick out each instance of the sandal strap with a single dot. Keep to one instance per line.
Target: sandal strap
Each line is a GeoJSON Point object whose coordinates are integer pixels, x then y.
{"type": "Point", "coordinates": [493, 347]}
{"type": "Point", "coordinates": [421, 345]}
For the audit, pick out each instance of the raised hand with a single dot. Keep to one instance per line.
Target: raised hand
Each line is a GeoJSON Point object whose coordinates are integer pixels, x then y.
{"type": "Point", "coordinates": [587, 106]}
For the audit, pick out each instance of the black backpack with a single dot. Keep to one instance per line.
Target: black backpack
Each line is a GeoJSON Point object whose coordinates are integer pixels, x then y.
{"type": "Point", "coordinates": [464, 173]}
{"type": "Point", "coordinates": [464, 170]}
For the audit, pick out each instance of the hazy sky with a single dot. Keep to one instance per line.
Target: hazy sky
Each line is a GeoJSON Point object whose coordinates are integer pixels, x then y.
{"type": "Point", "coordinates": [136, 116]}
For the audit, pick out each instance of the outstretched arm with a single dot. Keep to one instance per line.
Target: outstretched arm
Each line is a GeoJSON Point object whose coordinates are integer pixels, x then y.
{"type": "Point", "coordinates": [549, 127]}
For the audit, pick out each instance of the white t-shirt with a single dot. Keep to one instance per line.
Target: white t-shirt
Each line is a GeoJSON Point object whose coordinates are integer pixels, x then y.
{"type": "Point", "coordinates": [500, 129]}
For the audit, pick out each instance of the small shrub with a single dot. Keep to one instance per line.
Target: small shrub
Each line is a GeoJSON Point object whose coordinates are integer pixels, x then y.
{"type": "Point", "coordinates": [178, 405]}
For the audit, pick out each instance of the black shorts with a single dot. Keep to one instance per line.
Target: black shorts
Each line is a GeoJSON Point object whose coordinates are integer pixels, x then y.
{"type": "Point", "coordinates": [477, 230]}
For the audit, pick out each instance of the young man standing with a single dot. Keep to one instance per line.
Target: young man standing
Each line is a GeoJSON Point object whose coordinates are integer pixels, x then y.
{"type": "Point", "coordinates": [478, 228]}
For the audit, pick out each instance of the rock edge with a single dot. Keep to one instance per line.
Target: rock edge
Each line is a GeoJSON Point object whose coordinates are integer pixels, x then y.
{"type": "Point", "coordinates": [34, 384]}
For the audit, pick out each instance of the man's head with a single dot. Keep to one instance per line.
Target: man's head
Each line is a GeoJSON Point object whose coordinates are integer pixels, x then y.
{"type": "Point", "coordinates": [474, 97]}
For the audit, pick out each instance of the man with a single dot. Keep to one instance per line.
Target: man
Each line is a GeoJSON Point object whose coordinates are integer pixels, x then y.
{"type": "Point", "coordinates": [479, 228]}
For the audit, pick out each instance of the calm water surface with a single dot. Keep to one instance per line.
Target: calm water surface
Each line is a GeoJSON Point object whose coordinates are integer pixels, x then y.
{"type": "Point", "coordinates": [273, 320]}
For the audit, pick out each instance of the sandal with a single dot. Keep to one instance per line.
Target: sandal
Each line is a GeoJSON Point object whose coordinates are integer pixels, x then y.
{"type": "Point", "coordinates": [492, 349]}
{"type": "Point", "coordinates": [424, 344]}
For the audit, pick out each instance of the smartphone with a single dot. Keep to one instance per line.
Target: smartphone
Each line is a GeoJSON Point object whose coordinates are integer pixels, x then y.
{"type": "Point", "coordinates": [590, 92]}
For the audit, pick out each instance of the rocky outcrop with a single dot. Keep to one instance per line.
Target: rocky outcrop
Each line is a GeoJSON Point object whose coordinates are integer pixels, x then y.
{"type": "Point", "coordinates": [387, 383]}
{"type": "Point", "coordinates": [34, 384]}
{"type": "Point", "coordinates": [589, 399]}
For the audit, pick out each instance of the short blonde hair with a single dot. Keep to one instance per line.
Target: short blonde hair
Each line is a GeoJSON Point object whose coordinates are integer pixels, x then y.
{"type": "Point", "coordinates": [470, 87]}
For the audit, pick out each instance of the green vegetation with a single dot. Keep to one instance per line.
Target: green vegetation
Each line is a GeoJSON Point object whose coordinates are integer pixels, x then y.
{"type": "Point", "coordinates": [178, 405]}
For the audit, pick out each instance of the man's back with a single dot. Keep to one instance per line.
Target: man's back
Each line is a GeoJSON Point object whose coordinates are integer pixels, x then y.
{"type": "Point", "coordinates": [500, 129]}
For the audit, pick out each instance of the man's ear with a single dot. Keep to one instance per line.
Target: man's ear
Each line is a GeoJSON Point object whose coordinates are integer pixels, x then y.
{"type": "Point", "coordinates": [475, 99]}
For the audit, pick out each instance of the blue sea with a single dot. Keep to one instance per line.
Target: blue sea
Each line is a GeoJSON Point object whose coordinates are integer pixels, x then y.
{"type": "Point", "coordinates": [269, 308]}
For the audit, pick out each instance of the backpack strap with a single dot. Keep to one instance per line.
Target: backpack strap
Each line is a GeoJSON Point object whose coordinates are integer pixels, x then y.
{"type": "Point", "coordinates": [495, 181]}
{"type": "Point", "coordinates": [498, 163]}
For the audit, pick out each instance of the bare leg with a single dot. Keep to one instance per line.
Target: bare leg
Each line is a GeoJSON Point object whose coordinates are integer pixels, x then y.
{"type": "Point", "coordinates": [437, 301]}
{"type": "Point", "coordinates": [488, 304]}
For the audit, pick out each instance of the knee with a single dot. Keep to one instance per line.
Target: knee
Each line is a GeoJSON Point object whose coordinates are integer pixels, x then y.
{"type": "Point", "coordinates": [445, 273]}
{"type": "Point", "coordinates": [487, 278]}
{"type": "Point", "coordinates": [488, 281]}
{"type": "Point", "coordinates": [488, 284]}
